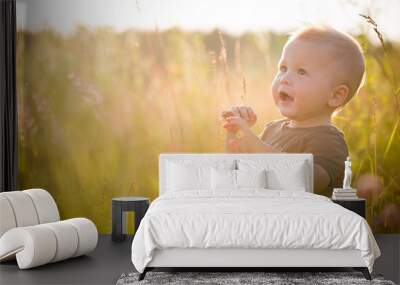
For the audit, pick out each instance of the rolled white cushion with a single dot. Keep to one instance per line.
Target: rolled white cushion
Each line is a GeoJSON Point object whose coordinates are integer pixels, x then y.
{"type": "Point", "coordinates": [87, 234]}
{"type": "Point", "coordinates": [67, 240]}
{"type": "Point", "coordinates": [26, 208]}
{"type": "Point", "coordinates": [33, 246]}
{"type": "Point", "coordinates": [7, 218]}
{"type": "Point", "coordinates": [23, 208]}
{"type": "Point", "coordinates": [40, 244]}
{"type": "Point", "coordinates": [45, 205]}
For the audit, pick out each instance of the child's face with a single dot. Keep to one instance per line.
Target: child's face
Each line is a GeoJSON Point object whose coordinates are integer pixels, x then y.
{"type": "Point", "coordinates": [304, 81]}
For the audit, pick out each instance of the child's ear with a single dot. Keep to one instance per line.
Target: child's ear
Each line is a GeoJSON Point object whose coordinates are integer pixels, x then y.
{"type": "Point", "coordinates": [339, 96]}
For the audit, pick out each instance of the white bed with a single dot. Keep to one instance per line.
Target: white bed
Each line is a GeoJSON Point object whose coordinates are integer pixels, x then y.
{"type": "Point", "coordinates": [248, 227]}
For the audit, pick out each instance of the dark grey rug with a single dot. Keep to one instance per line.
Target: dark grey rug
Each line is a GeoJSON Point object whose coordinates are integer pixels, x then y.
{"type": "Point", "coordinates": [228, 278]}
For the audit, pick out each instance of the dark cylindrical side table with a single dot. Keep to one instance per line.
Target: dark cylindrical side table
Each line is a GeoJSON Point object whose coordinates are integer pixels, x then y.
{"type": "Point", "coordinates": [139, 205]}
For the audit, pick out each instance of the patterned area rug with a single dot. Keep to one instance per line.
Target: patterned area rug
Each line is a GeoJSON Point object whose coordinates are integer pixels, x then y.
{"type": "Point", "coordinates": [275, 278]}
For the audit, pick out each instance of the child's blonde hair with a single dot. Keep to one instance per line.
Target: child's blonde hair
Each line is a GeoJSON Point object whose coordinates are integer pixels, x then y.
{"type": "Point", "coordinates": [346, 51]}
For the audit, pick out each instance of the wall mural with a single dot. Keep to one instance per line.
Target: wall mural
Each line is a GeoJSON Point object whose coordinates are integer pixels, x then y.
{"type": "Point", "coordinates": [98, 105]}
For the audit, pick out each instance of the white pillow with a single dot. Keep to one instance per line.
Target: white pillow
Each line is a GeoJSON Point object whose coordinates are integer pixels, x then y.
{"type": "Point", "coordinates": [294, 180]}
{"type": "Point", "coordinates": [251, 178]}
{"type": "Point", "coordinates": [228, 179]}
{"type": "Point", "coordinates": [281, 174]}
{"type": "Point", "coordinates": [188, 177]}
{"type": "Point", "coordinates": [187, 174]}
{"type": "Point", "coordinates": [223, 179]}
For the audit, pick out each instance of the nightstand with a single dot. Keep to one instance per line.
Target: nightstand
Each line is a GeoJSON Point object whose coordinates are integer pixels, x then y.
{"type": "Point", "coordinates": [356, 205]}
{"type": "Point", "coordinates": [139, 205]}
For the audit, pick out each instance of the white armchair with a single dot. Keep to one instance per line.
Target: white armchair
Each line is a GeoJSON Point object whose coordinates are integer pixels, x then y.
{"type": "Point", "coordinates": [31, 230]}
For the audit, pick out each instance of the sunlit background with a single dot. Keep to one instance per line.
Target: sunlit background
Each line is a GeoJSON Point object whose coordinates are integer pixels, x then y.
{"type": "Point", "coordinates": [105, 86]}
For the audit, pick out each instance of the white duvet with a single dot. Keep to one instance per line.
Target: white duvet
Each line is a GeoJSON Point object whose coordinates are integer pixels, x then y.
{"type": "Point", "coordinates": [251, 218]}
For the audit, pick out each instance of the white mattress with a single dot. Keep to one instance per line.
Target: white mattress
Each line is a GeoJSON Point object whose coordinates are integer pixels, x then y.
{"type": "Point", "coordinates": [252, 218]}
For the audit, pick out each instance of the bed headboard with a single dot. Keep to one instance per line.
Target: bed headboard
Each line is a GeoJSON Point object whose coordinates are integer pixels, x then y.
{"type": "Point", "coordinates": [306, 157]}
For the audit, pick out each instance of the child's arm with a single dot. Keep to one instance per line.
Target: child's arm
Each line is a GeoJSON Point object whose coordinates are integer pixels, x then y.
{"type": "Point", "coordinates": [249, 142]}
{"type": "Point", "coordinates": [244, 112]}
{"type": "Point", "coordinates": [230, 137]}
{"type": "Point", "coordinates": [329, 151]}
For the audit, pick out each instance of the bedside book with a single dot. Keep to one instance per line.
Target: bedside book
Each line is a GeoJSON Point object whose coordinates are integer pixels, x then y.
{"type": "Point", "coordinates": [341, 190]}
{"type": "Point", "coordinates": [334, 197]}
{"type": "Point", "coordinates": [344, 194]}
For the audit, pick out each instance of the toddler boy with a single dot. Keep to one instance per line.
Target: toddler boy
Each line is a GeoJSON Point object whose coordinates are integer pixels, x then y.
{"type": "Point", "coordinates": [319, 71]}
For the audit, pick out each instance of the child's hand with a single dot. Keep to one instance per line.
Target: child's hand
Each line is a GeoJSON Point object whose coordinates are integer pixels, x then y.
{"type": "Point", "coordinates": [235, 123]}
{"type": "Point", "coordinates": [245, 140]}
{"type": "Point", "coordinates": [244, 112]}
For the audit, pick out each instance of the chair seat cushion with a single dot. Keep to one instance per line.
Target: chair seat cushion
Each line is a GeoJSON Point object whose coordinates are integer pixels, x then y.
{"type": "Point", "coordinates": [40, 244]}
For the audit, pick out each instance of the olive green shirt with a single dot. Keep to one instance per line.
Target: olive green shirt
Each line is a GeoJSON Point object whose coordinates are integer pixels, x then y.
{"type": "Point", "coordinates": [326, 143]}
